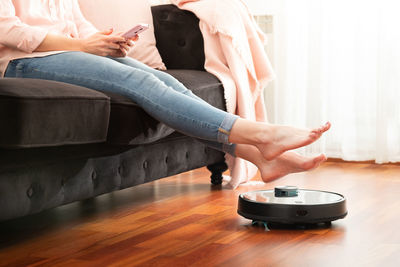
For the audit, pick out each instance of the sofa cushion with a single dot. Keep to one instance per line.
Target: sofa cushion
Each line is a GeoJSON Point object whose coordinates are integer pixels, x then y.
{"type": "Point", "coordinates": [37, 113]}
{"type": "Point", "coordinates": [129, 124]}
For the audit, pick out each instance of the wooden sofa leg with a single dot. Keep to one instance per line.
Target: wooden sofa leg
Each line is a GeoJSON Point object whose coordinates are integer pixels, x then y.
{"type": "Point", "coordinates": [216, 172]}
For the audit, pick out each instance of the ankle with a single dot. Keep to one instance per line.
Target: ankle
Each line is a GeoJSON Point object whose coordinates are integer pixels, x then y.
{"type": "Point", "coordinates": [242, 132]}
{"type": "Point", "coordinates": [253, 133]}
{"type": "Point", "coordinates": [264, 134]}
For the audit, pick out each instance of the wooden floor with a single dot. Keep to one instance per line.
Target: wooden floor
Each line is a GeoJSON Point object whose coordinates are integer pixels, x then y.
{"type": "Point", "coordinates": [183, 221]}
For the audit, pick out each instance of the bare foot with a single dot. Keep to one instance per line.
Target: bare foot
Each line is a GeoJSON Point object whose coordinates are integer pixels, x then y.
{"type": "Point", "coordinates": [282, 138]}
{"type": "Point", "coordinates": [288, 162]}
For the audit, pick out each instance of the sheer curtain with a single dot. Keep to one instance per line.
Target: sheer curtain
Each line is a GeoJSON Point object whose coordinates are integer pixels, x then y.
{"type": "Point", "coordinates": [338, 60]}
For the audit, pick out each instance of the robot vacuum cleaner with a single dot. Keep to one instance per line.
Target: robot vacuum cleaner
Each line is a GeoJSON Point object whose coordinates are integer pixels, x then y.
{"type": "Point", "coordinates": [290, 205]}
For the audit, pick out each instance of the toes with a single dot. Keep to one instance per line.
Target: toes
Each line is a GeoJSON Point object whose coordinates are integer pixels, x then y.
{"type": "Point", "coordinates": [319, 131]}
{"type": "Point", "coordinates": [319, 159]}
{"type": "Point", "coordinates": [315, 135]}
{"type": "Point", "coordinates": [327, 126]}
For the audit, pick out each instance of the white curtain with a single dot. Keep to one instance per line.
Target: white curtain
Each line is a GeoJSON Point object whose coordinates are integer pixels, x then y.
{"type": "Point", "coordinates": [338, 60]}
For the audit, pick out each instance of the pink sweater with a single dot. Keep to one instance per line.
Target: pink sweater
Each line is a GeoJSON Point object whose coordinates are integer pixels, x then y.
{"type": "Point", "coordinates": [25, 23]}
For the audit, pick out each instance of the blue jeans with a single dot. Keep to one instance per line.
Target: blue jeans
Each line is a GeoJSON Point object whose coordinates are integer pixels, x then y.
{"type": "Point", "coordinates": [158, 93]}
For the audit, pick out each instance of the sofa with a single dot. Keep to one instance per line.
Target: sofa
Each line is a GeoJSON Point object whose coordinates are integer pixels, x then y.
{"type": "Point", "coordinates": [61, 143]}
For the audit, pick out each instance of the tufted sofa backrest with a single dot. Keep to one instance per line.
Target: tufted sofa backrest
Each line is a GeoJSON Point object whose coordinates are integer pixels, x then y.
{"type": "Point", "coordinates": [178, 37]}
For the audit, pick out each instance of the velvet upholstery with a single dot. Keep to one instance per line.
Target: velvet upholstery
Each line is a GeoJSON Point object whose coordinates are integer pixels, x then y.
{"type": "Point", "coordinates": [178, 38]}
{"type": "Point", "coordinates": [36, 113]}
{"type": "Point", "coordinates": [43, 178]}
{"type": "Point", "coordinates": [38, 178]}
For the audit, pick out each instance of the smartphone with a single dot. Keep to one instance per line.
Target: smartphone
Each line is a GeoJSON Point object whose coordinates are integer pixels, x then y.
{"type": "Point", "coordinates": [135, 30]}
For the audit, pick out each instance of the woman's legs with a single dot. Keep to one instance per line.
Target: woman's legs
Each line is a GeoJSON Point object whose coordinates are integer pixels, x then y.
{"type": "Point", "coordinates": [288, 137]}
{"type": "Point", "coordinates": [179, 87]}
{"type": "Point", "coordinates": [178, 110]}
{"type": "Point", "coordinates": [288, 162]}
{"type": "Point", "coordinates": [163, 76]}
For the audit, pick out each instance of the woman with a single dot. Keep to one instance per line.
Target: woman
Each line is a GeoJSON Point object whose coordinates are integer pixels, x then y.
{"type": "Point", "coordinates": [52, 40]}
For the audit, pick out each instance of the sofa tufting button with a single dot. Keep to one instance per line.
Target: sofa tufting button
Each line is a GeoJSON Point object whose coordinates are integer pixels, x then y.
{"type": "Point", "coordinates": [166, 159]}
{"type": "Point", "coordinates": [120, 170]}
{"type": "Point", "coordinates": [29, 193]}
{"type": "Point", "coordinates": [94, 176]}
{"type": "Point", "coordinates": [206, 150]}
{"type": "Point", "coordinates": [145, 164]}
{"type": "Point", "coordinates": [187, 155]}
{"type": "Point", "coordinates": [164, 15]}
{"type": "Point", "coordinates": [182, 42]}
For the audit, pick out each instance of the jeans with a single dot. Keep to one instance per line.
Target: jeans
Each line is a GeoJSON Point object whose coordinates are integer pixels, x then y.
{"type": "Point", "coordinates": [158, 93]}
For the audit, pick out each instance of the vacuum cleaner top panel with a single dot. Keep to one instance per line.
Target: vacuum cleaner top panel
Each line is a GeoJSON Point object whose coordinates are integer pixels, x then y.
{"type": "Point", "coordinates": [304, 197]}
{"type": "Point", "coordinates": [292, 206]}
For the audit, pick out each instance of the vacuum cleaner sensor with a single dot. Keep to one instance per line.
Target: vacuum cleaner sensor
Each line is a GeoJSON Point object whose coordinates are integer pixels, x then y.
{"type": "Point", "coordinates": [292, 206]}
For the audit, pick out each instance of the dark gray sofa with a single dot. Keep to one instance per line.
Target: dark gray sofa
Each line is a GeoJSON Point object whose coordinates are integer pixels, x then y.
{"type": "Point", "coordinates": [61, 143]}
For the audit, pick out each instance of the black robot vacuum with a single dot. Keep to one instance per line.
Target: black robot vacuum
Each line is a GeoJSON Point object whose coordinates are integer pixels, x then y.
{"type": "Point", "coordinates": [290, 205]}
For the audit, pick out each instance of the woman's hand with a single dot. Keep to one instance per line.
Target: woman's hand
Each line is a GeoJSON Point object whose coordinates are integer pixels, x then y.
{"type": "Point", "coordinates": [102, 44]}
{"type": "Point", "coordinates": [106, 44]}
{"type": "Point", "coordinates": [125, 47]}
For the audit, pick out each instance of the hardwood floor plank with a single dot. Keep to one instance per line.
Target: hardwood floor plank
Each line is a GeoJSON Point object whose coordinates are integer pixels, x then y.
{"type": "Point", "coordinates": [184, 221]}
{"type": "Point", "coordinates": [21, 261]}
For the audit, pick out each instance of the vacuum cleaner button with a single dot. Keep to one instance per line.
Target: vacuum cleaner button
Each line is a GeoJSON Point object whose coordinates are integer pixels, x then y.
{"type": "Point", "coordinates": [301, 213]}
{"type": "Point", "coordinates": [286, 191]}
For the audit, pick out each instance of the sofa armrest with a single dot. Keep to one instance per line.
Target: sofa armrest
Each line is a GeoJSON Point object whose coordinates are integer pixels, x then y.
{"type": "Point", "coordinates": [178, 37]}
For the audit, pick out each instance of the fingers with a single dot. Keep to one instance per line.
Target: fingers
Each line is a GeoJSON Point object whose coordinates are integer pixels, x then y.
{"type": "Point", "coordinates": [115, 39]}
{"type": "Point", "coordinates": [108, 36]}
{"type": "Point", "coordinates": [117, 36]}
{"type": "Point", "coordinates": [128, 43]}
{"type": "Point", "coordinates": [125, 46]}
{"type": "Point", "coordinates": [135, 38]}
{"type": "Point", "coordinates": [113, 45]}
{"type": "Point", "coordinates": [107, 32]}
{"type": "Point", "coordinates": [121, 51]}
{"type": "Point", "coordinates": [118, 53]}
{"type": "Point", "coordinates": [111, 53]}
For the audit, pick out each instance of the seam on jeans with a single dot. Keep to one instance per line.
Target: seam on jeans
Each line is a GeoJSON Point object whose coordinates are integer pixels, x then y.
{"type": "Point", "coordinates": [111, 84]}
{"type": "Point", "coordinates": [224, 131]}
{"type": "Point", "coordinates": [225, 128]}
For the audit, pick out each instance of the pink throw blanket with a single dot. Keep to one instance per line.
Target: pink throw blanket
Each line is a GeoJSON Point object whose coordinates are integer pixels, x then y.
{"type": "Point", "coordinates": [234, 51]}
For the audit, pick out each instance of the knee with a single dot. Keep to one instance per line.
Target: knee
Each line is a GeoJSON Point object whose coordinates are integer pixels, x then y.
{"type": "Point", "coordinates": [151, 82]}
{"type": "Point", "coordinates": [144, 76]}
